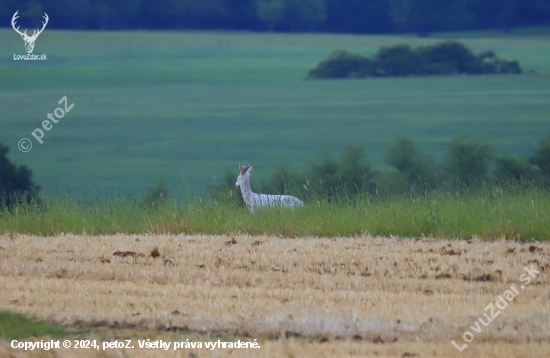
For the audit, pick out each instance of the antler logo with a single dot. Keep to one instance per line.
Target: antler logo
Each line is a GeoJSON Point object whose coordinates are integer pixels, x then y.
{"type": "Point", "coordinates": [29, 40]}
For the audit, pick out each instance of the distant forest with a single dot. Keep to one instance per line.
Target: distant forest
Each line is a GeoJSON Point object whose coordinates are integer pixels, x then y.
{"type": "Point", "coordinates": [347, 16]}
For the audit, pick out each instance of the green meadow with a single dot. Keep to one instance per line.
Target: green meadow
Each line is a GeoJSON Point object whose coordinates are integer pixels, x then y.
{"type": "Point", "coordinates": [187, 105]}
{"type": "Point", "coordinates": [513, 213]}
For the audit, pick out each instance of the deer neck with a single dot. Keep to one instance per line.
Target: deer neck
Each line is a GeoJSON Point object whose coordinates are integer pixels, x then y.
{"type": "Point", "coordinates": [246, 191]}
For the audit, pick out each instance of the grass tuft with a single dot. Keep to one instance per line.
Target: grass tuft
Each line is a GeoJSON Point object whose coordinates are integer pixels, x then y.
{"type": "Point", "coordinates": [17, 326]}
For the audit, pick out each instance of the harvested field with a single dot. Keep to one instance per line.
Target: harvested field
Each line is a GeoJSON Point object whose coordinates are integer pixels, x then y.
{"type": "Point", "coordinates": [345, 297]}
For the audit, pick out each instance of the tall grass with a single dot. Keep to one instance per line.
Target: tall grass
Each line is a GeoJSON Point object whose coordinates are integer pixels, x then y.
{"type": "Point", "coordinates": [493, 213]}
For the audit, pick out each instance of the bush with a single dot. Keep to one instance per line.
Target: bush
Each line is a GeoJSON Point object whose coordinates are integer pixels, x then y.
{"type": "Point", "coordinates": [509, 168]}
{"type": "Point", "coordinates": [399, 60]}
{"type": "Point", "coordinates": [282, 182]}
{"type": "Point", "coordinates": [542, 157]}
{"type": "Point", "coordinates": [332, 178]}
{"type": "Point", "coordinates": [490, 63]}
{"type": "Point", "coordinates": [15, 182]}
{"type": "Point", "coordinates": [465, 167]}
{"type": "Point", "coordinates": [468, 162]}
{"type": "Point", "coordinates": [156, 196]}
{"type": "Point", "coordinates": [342, 64]}
{"type": "Point", "coordinates": [413, 166]}
{"type": "Point", "coordinates": [445, 58]}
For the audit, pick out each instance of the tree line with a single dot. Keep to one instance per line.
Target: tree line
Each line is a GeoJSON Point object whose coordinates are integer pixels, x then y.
{"type": "Point", "coordinates": [466, 165]}
{"type": "Point", "coordinates": [444, 58]}
{"type": "Point", "coordinates": [348, 16]}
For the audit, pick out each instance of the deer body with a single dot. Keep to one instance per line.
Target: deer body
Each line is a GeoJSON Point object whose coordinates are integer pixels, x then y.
{"type": "Point", "coordinates": [255, 201]}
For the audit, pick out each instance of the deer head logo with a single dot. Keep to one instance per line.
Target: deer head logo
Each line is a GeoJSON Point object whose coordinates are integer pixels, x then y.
{"type": "Point", "coordinates": [29, 40]}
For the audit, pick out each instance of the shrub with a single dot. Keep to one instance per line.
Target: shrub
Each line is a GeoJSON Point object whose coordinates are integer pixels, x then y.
{"type": "Point", "coordinates": [353, 173]}
{"type": "Point", "coordinates": [413, 166]}
{"type": "Point", "coordinates": [15, 181]}
{"type": "Point", "coordinates": [509, 168]}
{"type": "Point", "coordinates": [444, 58]}
{"type": "Point", "coordinates": [541, 158]}
{"type": "Point", "coordinates": [282, 182]}
{"type": "Point", "coordinates": [332, 178]}
{"type": "Point", "coordinates": [342, 64]}
{"type": "Point", "coordinates": [464, 168]}
{"type": "Point", "coordinates": [490, 63]}
{"type": "Point", "coordinates": [156, 196]}
{"type": "Point", "coordinates": [399, 60]}
{"type": "Point", "coordinates": [468, 162]}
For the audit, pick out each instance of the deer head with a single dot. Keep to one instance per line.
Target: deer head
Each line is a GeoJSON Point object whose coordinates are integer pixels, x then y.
{"type": "Point", "coordinates": [29, 40]}
{"type": "Point", "coordinates": [245, 172]}
{"type": "Point", "coordinates": [243, 169]}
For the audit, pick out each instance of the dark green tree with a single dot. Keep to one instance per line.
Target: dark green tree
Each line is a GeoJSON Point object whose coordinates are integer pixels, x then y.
{"type": "Point", "coordinates": [342, 64]}
{"type": "Point", "coordinates": [353, 172]}
{"type": "Point", "coordinates": [358, 16]}
{"type": "Point", "coordinates": [425, 16]}
{"type": "Point", "coordinates": [509, 168]}
{"type": "Point", "coordinates": [541, 158]}
{"type": "Point", "coordinates": [322, 177]}
{"type": "Point", "coordinates": [446, 58]}
{"type": "Point", "coordinates": [305, 14]}
{"type": "Point", "coordinates": [196, 14]}
{"type": "Point", "coordinates": [116, 14]}
{"type": "Point", "coordinates": [270, 12]}
{"type": "Point", "coordinates": [16, 184]}
{"type": "Point", "coordinates": [413, 166]}
{"type": "Point", "coordinates": [398, 60]}
{"type": "Point", "coordinates": [293, 15]}
{"type": "Point", "coordinates": [282, 181]}
{"type": "Point", "coordinates": [499, 13]}
{"type": "Point", "coordinates": [350, 175]}
{"type": "Point", "coordinates": [35, 12]}
{"type": "Point", "coordinates": [4, 14]}
{"type": "Point", "coordinates": [72, 14]}
{"type": "Point", "coordinates": [467, 162]}
{"type": "Point", "coordinates": [506, 14]}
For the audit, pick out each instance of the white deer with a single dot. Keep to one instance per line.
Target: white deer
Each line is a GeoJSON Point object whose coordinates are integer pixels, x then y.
{"type": "Point", "coordinates": [262, 200]}
{"type": "Point", "coordinates": [29, 40]}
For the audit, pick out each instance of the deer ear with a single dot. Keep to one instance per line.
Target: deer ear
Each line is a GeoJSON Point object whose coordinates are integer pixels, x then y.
{"type": "Point", "coordinates": [249, 169]}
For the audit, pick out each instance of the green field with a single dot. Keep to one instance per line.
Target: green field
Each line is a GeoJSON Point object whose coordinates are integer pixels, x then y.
{"type": "Point", "coordinates": [187, 105]}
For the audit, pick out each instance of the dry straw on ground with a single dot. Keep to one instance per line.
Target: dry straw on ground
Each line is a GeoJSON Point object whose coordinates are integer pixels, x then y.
{"type": "Point", "coordinates": [359, 296]}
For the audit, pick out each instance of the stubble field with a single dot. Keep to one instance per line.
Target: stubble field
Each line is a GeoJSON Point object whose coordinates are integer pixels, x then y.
{"type": "Point", "coordinates": [299, 297]}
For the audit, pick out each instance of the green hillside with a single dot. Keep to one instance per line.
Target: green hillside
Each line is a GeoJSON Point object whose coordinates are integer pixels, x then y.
{"type": "Point", "coordinates": [185, 106]}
